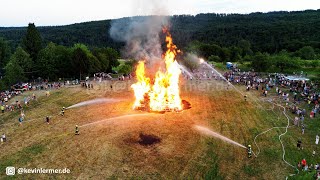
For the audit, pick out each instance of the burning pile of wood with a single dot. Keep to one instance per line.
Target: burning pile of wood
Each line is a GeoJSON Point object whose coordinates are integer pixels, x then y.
{"type": "Point", "coordinates": [145, 106]}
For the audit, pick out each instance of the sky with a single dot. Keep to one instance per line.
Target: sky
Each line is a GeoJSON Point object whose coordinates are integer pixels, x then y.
{"type": "Point", "coordinates": [62, 12]}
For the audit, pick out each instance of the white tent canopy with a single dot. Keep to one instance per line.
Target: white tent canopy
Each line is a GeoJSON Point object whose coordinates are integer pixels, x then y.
{"type": "Point", "coordinates": [296, 78]}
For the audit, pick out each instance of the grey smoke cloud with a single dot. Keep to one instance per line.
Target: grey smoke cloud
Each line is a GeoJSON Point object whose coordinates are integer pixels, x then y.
{"type": "Point", "coordinates": [141, 33]}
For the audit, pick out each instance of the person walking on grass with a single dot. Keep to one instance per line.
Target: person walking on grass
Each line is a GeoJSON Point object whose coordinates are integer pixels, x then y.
{"type": "Point", "coordinates": [317, 139]}
{"type": "Point", "coordinates": [302, 129]}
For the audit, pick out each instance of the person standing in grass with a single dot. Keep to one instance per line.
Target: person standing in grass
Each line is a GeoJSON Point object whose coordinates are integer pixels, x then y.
{"type": "Point", "coordinates": [303, 163]}
{"type": "Point", "coordinates": [77, 130]}
{"type": "Point", "coordinates": [295, 122]}
{"type": "Point", "coordinates": [47, 119]}
{"type": "Point", "coordinates": [311, 114]}
{"type": "Point", "coordinates": [318, 175]}
{"type": "Point", "coordinates": [302, 129]}
{"type": "Point", "coordinates": [20, 120]}
{"type": "Point", "coordinates": [62, 111]}
{"type": "Point", "coordinates": [299, 144]}
{"type": "Point", "coordinates": [2, 108]}
{"type": "Point", "coordinates": [302, 119]}
{"type": "Point", "coordinates": [3, 137]}
{"type": "Point", "coordinates": [317, 139]}
{"type": "Point", "coordinates": [22, 114]}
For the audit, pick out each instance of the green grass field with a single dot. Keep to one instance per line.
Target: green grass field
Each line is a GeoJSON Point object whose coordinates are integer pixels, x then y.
{"type": "Point", "coordinates": [111, 148]}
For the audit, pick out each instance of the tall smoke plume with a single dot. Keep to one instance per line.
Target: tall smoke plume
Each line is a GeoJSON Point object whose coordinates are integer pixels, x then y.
{"type": "Point", "coordinates": [141, 33]}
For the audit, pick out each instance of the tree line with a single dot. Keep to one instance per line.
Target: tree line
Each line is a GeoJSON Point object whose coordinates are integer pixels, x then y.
{"type": "Point", "coordinates": [32, 60]}
{"type": "Point", "coordinates": [275, 40]}
{"type": "Point", "coordinates": [267, 32]}
{"type": "Point", "coordinates": [260, 61]}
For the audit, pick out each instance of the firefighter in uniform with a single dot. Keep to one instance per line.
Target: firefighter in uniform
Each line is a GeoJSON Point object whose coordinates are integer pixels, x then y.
{"type": "Point", "coordinates": [77, 130]}
{"type": "Point", "coordinates": [249, 151]}
{"type": "Point", "coordinates": [62, 111]}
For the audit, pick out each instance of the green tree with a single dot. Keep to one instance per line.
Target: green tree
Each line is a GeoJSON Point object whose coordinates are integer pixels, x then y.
{"type": "Point", "coordinates": [64, 62]}
{"type": "Point", "coordinates": [14, 72]}
{"type": "Point", "coordinates": [245, 47]}
{"type": "Point", "coordinates": [235, 54]}
{"type": "Point", "coordinates": [108, 58]}
{"type": "Point", "coordinates": [94, 64]}
{"type": "Point", "coordinates": [80, 59]}
{"type": "Point", "coordinates": [204, 50]}
{"type": "Point", "coordinates": [225, 54]}
{"type": "Point", "coordinates": [283, 61]}
{"type": "Point", "coordinates": [112, 56]}
{"type": "Point", "coordinates": [214, 58]}
{"type": "Point", "coordinates": [32, 42]}
{"type": "Point", "coordinates": [54, 61]}
{"type": "Point", "coordinates": [247, 58]}
{"type": "Point", "coordinates": [103, 59]}
{"type": "Point", "coordinates": [47, 61]}
{"type": "Point", "coordinates": [131, 62]}
{"type": "Point", "coordinates": [125, 69]}
{"type": "Point", "coordinates": [307, 52]}
{"type": "Point", "coordinates": [260, 62]}
{"type": "Point", "coordinates": [24, 60]}
{"type": "Point", "coordinates": [4, 53]}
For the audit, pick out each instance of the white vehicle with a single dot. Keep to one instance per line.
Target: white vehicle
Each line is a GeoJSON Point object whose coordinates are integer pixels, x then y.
{"type": "Point", "coordinates": [25, 86]}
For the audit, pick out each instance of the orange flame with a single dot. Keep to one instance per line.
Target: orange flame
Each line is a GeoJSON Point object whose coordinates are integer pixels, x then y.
{"type": "Point", "coordinates": [163, 93]}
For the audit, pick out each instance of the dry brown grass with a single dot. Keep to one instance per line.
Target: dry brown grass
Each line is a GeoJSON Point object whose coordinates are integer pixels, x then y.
{"type": "Point", "coordinates": [111, 149]}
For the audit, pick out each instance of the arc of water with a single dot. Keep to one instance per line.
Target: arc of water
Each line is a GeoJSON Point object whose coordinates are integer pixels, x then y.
{"type": "Point", "coordinates": [95, 101]}
{"type": "Point", "coordinates": [217, 135]}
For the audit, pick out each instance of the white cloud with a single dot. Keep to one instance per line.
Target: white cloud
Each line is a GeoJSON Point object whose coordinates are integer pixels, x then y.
{"type": "Point", "coordinates": [57, 12]}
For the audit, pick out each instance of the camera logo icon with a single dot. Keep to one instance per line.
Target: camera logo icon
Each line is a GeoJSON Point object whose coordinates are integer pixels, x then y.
{"type": "Point", "coordinates": [10, 171]}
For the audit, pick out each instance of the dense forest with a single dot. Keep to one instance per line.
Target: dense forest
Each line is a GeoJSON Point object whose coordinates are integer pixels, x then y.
{"type": "Point", "coordinates": [266, 32]}
{"type": "Point", "coordinates": [277, 41]}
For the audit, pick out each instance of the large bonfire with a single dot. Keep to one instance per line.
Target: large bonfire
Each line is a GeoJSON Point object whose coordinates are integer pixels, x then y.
{"type": "Point", "coordinates": [160, 93]}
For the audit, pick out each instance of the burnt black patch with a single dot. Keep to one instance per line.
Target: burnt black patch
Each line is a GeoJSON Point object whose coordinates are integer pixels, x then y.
{"type": "Point", "coordinates": [148, 139]}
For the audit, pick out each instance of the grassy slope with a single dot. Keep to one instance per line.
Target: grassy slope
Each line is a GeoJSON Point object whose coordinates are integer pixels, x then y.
{"type": "Point", "coordinates": [110, 149]}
